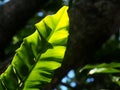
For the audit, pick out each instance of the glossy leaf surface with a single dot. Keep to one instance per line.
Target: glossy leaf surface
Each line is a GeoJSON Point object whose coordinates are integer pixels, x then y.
{"type": "Point", "coordinates": [39, 55]}
{"type": "Point", "coordinates": [102, 68]}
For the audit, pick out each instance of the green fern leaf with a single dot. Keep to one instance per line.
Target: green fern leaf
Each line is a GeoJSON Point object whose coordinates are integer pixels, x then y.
{"type": "Point", "coordinates": [39, 55]}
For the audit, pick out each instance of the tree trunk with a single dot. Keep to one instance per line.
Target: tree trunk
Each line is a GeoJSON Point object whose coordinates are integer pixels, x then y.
{"type": "Point", "coordinates": [92, 22]}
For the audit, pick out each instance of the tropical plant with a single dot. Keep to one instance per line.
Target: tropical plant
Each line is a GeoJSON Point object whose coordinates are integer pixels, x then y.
{"type": "Point", "coordinates": [39, 55]}
{"type": "Point", "coordinates": [42, 53]}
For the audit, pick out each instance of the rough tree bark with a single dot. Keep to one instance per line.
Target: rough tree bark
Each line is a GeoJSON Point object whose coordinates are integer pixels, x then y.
{"type": "Point", "coordinates": [92, 22]}
{"type": "Point", "coordinates": [13, 16]}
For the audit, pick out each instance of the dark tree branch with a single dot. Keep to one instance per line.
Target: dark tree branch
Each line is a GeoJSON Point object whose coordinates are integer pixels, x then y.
{"type": "Point", "coordinates": [67, 85]}
{"type": "Point", "coordinates": [14, 15]}
{"type": "Point", "coordinates": [92, 22]}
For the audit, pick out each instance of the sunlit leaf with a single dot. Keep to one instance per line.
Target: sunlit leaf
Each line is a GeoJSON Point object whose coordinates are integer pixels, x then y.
{"type": "Point", "coordinates": [39, 55]}
{"type": "Point", "coordinates": [102, 68]}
